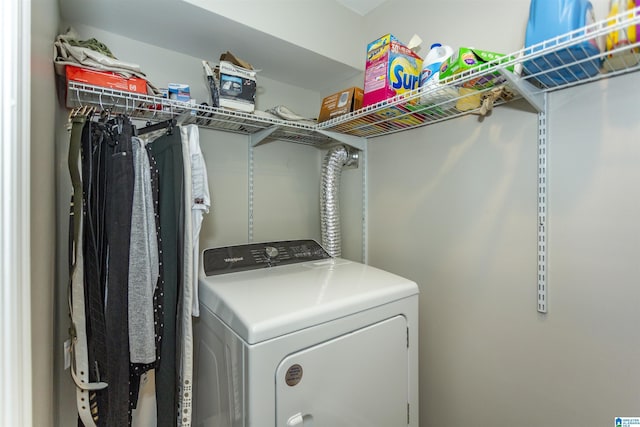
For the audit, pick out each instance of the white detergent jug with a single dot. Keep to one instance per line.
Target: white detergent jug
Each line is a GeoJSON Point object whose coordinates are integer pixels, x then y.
{"type": "Point", "coordinates": [431, 64]}
{"type": "Point", "coordinates": [429, 78]}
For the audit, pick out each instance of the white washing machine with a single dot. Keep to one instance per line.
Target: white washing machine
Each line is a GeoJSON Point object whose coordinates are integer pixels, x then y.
{"type": "Point", "coordinates": [288, 336]}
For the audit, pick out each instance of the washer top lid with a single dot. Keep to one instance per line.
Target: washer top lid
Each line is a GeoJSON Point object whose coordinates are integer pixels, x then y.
{"type": "Point", "coordinates": [263, 304]}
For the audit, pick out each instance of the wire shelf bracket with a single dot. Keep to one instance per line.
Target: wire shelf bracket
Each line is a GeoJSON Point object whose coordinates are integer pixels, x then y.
{"type": "Point", "coordinates": [529, 92]}
{"type": "Point", "coordinates": [356, 142]}
{"type": "Point", "coordinates": [250, 192]}
{"type": "Point", "coordinates": [542, 208]}
{"type": "Point", "coordinates": [258, 137]}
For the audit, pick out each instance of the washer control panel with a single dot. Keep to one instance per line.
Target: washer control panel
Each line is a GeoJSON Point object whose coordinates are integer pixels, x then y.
{"type": "Point", "coordinates": [253, 256]}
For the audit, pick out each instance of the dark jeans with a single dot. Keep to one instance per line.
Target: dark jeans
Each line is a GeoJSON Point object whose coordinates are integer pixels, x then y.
{"type": "Point", "coordinates": [119, 200]}
{"type": "Point", "coordinates": [108, 195]}
{"type": "Point", "coordinates": [94, 139]}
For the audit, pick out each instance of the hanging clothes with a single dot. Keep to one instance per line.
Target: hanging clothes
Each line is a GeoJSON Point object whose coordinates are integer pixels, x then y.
{"type": "Point", "coordinates": [119, 205]}
{"type": "Point", "coordinates": [85, 388]}
{"type": "Point", "coordinates": [108, 197]}
{"type": "Point", "coordinates": [146, 412]}
{"type": "Point", "coordinates": [185, 332]}
{"type": "Point", "coordinates": [167, 151]}
{"type": "Point", "coordinates": [134, 258]}
{"type": "Point", "coordinates": [144, 268]}
{"type": "Point", "coordinates": [143, 384]}
{"type": "Point", "coordinates": [197, 200]}
{"type": "Point", "coordinates": [200, 202]}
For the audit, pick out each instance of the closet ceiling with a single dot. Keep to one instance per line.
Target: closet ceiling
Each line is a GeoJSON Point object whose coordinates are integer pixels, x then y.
{"type": "Point", "coordinates": [361, 7]}
{"type": "Point", "coordinates": [180, 26]}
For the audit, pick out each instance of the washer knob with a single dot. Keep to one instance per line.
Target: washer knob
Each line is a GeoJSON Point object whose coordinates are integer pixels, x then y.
{"type": "Point", "coordinates": [271, 252]}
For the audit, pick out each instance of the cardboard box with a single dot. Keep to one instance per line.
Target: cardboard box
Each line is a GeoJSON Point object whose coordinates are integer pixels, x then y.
{"type": "Point", "coordinates": [237, 87]}
{"type": "Point", "coordinates": [340, 103]}
{"type": "Point", "coordinates": [391, 69]}
{"type": "Point", "coordinates": [105, 79]}
{"type": "Point", "coordinates": [468, 58]}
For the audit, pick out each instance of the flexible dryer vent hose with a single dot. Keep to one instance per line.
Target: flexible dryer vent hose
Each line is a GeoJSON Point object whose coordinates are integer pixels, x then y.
{"type": "Point", "coordinates": [335, 159]}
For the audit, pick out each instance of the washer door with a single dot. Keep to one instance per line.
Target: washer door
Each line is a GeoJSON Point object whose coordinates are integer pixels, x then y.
{"type": "Point", "coordinates": [358, 379]}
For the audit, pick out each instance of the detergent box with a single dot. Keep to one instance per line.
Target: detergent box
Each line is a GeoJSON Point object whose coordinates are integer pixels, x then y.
{"type": "Point", "coordinates": [469, 58]}
{"type": "Point", "coordinates": [340, 103]}
{"type": "Point", "coordinates": [391, 69]}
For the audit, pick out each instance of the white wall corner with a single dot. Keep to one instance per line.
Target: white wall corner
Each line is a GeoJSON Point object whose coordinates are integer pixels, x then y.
{"type": "Point", "coordinates": [15, 292]}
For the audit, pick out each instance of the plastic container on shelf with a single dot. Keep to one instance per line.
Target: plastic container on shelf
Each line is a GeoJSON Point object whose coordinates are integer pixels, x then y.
{"type": "Point", "coordinates": [619, 40]}
{"type": "Point", "coordinates": [430, 76]}
{"type": "Point", "coordinates": [549, 19]}
{"type": "Point", "coordinates": [432, 62]}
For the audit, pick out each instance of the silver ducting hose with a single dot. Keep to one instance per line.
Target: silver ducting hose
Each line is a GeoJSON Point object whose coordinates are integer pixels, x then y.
{"type": "Point", "coordinates": [335, 159]}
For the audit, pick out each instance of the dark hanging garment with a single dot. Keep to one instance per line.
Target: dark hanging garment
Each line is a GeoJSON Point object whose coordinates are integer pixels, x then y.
{"type": "Point", "coordinates": [94, 138]}
{"type": "Point", "coordinates": [118, 205]}
{"type": "Point", "coordinates": [107, 171]}
{"type": "Point", "coordinates": [167, 151]}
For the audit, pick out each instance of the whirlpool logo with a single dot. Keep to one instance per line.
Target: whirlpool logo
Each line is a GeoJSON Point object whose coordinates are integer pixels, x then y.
{"type": "Point", "coordinates": [234, 259]}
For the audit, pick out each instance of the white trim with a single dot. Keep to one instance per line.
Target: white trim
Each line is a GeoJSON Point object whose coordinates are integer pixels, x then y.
{"type": "Point", "coordinates": [16, 400]}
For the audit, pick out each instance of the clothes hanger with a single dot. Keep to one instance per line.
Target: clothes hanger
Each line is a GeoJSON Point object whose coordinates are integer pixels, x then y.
{"type": "Point", "coordinates": [168, 124]}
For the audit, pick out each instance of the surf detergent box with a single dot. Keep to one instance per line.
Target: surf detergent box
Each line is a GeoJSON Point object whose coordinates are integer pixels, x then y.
{"type": "Point", "coordinates": [391, 69]}
{"type": "Point", "coordinates": [479, 60]}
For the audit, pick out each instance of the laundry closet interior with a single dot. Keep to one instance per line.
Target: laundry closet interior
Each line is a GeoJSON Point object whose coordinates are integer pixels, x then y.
{"type": "Point", "coordinates": [453, 205]}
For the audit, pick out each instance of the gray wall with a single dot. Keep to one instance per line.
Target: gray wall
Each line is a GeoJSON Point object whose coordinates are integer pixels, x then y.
{"type": "Point", "coordinates": [44, 27]}
{"type": "Point", "coordinates": [453, 206]}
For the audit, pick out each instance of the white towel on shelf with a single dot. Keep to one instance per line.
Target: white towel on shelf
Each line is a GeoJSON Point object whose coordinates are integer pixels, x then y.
{"type": "Point", "coordinates": [67, 54]}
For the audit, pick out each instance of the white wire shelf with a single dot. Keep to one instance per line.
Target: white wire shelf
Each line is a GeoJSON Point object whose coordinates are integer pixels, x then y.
{"type": "Point", "coordinates": [555, 64]}
{"type": "Point", "coordinates": [153, 108]}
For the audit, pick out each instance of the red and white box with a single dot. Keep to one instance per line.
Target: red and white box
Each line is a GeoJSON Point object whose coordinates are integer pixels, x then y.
{"type": "Point", "coordinates": [106, 79]}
